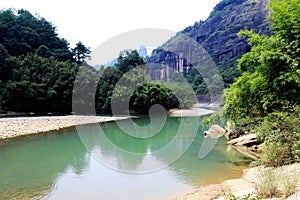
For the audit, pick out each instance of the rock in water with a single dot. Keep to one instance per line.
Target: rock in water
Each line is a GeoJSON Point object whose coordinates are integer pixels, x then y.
{"type": "Point", "coordinates": [215, 131]}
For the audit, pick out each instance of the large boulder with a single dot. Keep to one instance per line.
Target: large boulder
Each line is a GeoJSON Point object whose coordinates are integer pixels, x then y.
{"type": "Point", "coordinates": [215, 131]}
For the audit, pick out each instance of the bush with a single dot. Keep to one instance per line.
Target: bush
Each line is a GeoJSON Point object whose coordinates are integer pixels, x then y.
{"type": "Point", "coordinates": [148, 95]}
{"type": "Point", "coordinates": [277, 154]}
{"type": "Point", "coordinates": [281, 133]}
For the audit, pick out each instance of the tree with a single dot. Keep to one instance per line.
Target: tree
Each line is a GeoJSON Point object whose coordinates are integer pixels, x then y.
{"type": "Point", "coordinates": [84, 89]}
{"type": "Point", "coordinates": [126, 87]}
{"type": "Point", "coordinates": [81, 53]}
{"type": "Point", "coordinates": [150, 94]}
{"type": "Point", "coordinates": [182, 95]}
{"type": "Point", "coordinates": [197, 82]}
{"type": "Point", "coordinates": [128, 59]}
{"type": "Point", "coordinates": [105, 89]}
{"type": "Point", "coordinates": [40, 85]}
{"type": "Point", "coordinates": [22, 33]}
{"type": "Point", "coordinates": [270, 71]}
{"type": "Point", "coordinates": [7, 64]}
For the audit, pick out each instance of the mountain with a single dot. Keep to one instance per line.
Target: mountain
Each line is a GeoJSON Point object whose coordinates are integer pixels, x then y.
{"type": "Point", "coordinates": [143, 52]}
{"type": "Point", "coordinates": [218, 36]}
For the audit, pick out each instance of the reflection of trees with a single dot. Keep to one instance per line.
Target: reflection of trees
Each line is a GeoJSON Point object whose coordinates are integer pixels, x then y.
{"type": "Point", "coordinates": [32, 164]}
{"type": "Point", "coordinates": [104, 150]}
{"type": "Point", "coordinates": [122, 151]}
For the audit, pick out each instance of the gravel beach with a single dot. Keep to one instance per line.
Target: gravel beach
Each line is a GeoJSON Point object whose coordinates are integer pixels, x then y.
{"type": "Point", "coordinates": [19, 126]}
{"type": "Point", "coordinates": [13, 127]}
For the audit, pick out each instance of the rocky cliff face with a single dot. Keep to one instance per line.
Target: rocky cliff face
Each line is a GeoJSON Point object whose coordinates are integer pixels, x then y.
{"type": "Point", "coordinates": [218, 36]}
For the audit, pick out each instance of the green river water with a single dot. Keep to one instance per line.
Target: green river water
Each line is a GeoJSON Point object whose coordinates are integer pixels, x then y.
{"type": "Point", "coordinates": [58, 165]}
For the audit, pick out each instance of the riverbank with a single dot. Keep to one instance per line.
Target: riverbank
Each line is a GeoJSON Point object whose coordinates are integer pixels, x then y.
{"type": "Point", "coordinates": [13, 127]}
{"type": "Point", "coordinates": [246, 185]}
{"type": "Point", "coordinates": [194, 112]}
{"type": "Point", "coordinates": [198, 109]}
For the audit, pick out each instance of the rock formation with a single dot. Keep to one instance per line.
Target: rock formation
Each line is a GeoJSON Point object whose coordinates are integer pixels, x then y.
{"type": "Point", "coordinates": [218, 36]}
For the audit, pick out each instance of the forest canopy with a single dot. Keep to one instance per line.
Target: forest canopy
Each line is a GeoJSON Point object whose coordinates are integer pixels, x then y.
{"type": "Point", "coordinates": [38, 70]}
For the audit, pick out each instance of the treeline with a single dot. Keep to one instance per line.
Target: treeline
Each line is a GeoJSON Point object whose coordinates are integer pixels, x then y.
{"type": "Point", "coordinates": [31, 83]}
{"type": "Point", "coordinates": [38, 71]}
{"type": "Point", "coordinates": [128, 88]}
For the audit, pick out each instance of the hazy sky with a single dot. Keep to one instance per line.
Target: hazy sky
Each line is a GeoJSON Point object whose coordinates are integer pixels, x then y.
{"type": "Point", "coordinates": [93, 22]}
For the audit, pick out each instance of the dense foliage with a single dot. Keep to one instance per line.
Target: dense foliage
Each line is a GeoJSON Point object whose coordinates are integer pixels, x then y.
{"type": "Point", "coordinates": [136, 88]}
{"type": "Point", "coordinates": [39, 84]}
{"type": "Point", "coordinates": [268, 89]}
{"type": "Point", "coordinates": [127, 60]}
{"type": "Point", "coordinates": [150, 94]}
{"type": "Point", "coordinates": [281, 132]}
{"type": "Point", "coordinates": [37, 68]}
{"type": "Point", "coordinates": [271, 71]}
{"type": "Point", "coordinates": [38, 71]}
{"type": "Point", "coordinates": [22, 33]}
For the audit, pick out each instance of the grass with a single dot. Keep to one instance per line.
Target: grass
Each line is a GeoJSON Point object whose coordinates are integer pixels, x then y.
{"type": "Point", "coordinates": [289, 182]}
{"type": "Point", "coordinates": [267, 184]}
{"type": "Point", "coordinates": [268, 181]}
{"type": "Point", "coordinates": [246, 197]}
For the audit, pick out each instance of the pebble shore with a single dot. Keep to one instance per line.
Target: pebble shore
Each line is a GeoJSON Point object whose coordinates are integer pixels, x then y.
{"type": "Point", "coordinates": [20, 126]}
{"type": "Point", "coordinates": [13, 127]}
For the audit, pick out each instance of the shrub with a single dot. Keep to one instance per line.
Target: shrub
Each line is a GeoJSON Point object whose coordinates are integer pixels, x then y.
{"type": "Point", "coordinates": [276, 154]}
{"type": "Point", "coordinates": [281, 133]}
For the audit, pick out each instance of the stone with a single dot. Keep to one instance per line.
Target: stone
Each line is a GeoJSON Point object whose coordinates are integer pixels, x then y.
{"type": "Point", "coordinates": [215, 131]}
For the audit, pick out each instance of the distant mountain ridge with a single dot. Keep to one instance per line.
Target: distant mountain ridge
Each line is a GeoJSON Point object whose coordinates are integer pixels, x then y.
{"type": "Point", "coordinates": [218, 36]}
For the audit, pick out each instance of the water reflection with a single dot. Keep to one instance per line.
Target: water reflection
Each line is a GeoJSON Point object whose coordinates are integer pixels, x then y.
{"type": "Point", "coordinates": [58, 165]}
{"type": "Point", "coordinates": [120, 151]}
{"type": "Point", "coordinates": [32, 164]}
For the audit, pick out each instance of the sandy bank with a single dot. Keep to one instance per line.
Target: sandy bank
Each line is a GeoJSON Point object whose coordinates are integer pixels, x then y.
{"type": "Point", "coordinates": [194, 112]}
{"type": "Point", "coordinates": [243, 186]}
{"type": "Point", "coordinates": [20, 126]}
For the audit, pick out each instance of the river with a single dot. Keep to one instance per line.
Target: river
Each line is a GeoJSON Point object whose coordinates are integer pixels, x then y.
{"type": "Point", "coordinates": [114, 165]}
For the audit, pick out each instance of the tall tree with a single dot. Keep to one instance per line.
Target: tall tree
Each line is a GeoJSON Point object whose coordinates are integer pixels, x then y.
{"type": "Point", "coordinates": [128, 59]}
{"type": "Point", "coordinates": [81, 52]}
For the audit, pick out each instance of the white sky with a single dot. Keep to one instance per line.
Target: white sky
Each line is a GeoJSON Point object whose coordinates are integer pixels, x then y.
{"type": "Point", "coordinates": [95, 21]}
